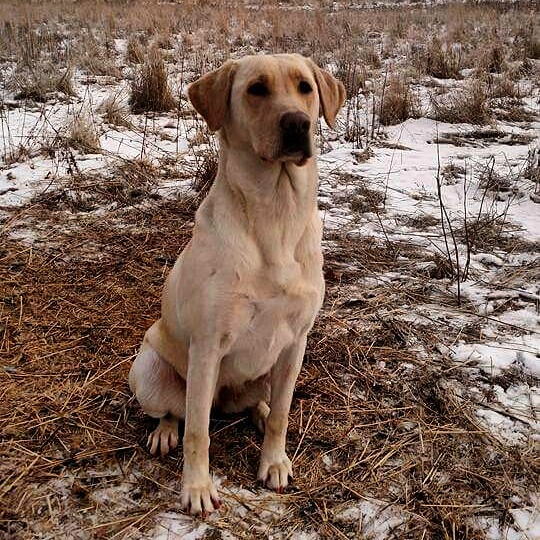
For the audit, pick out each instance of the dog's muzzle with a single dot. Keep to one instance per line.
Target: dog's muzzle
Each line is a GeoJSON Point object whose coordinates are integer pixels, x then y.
{"type": "Point", "coordinates": [295, 136]}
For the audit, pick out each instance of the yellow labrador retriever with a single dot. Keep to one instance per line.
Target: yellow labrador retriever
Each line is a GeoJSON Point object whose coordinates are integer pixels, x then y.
{"type": "Point", "coordinates": [240, 300]}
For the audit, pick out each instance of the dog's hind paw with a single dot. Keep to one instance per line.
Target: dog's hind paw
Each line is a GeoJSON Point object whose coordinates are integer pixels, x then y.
{"type": "Point", "coordinates": [259, 414]}
{"type": "Point", "coordinates": [165, 437]}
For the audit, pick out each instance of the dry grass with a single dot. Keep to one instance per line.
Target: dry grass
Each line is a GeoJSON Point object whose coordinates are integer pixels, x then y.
{"type": "Point", "coordinates": [81, 134]}
{"type": "Point", "coordinates": [388, 424]}
{"type": "Point", "coordinates": [489, 231]}
{"type": "Point", "coordinates": [150, 90]}
{"type": "Point", "coordinates": [361, 198]}
{"type": "Point", "coordinates": [97, 58]}
{"type": "Point", "coordinates": [468, 105]}
{"type": "Point", "coordinates": [439, 60]}
{"type": "Point", "coordinates": [493, 58]}
{"type": "Point", "coordinates": [115, 110]}
{"type": "Point", "coordinates": [134, 50]}
{"type": "Point", "coordinates": [40, 81]}
{"type": "Point", "coordinates": [128, 183]}
{"type": "Point", "coordinates": [398, 102]}
{"type": "Point", "coordinates": [371, 418]}
{"type": "Point", "coordinates": [483, 136]}
{"type": "Point", "coordinates": [502, 87]}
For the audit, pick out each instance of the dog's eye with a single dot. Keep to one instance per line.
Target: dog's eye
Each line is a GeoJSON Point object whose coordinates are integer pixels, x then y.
{"type": "Point", "coordinates": [258, 89]}
{"type": "Point", "coordinates": [304, 87]}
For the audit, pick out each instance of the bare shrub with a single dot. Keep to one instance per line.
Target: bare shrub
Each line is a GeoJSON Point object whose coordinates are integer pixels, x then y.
{"type": "Point", "coordinates": [398, 102]}
{"type": "Point", "coordinates": [469, 105]}
{"type": "Point", "coordinates": [40, 81]}
{"type": "Point", "coordinates": [439, 60]}
{"type": "Point", "coordinates": [150, 89]}
{"type": "Point", "coordinates": [493, 58]}
{"type": "Point", "coordinates": [134, 51]}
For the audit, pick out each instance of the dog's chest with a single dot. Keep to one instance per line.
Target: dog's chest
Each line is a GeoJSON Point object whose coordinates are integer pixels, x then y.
{"type": "Point", "coordinates": [280, 312]}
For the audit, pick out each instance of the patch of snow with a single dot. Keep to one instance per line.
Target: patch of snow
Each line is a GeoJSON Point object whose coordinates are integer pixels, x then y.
{"type": "Point", "coordinates": [172, 526]}
{"type": "Point", "coordinates": [492, 357]}
{"type": "Point", "coordinates": [376, 519]}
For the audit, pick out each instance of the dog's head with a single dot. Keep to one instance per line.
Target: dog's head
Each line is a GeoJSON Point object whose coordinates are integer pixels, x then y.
{"type": "Point", "coordinates": [268, 104]}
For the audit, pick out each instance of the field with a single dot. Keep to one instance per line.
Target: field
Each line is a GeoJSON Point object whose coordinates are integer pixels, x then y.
{"type": "Point", "coordinates": [416, 414]}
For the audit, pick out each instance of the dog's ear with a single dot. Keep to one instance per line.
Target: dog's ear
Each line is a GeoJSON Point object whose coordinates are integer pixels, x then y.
{"type": "Point", "coordinates": [331, 93]}
{"type": "Point", "coordinates": [211, 93]}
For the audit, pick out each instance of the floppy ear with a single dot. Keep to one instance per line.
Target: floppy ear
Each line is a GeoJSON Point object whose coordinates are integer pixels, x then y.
{"type": "Point", "coordinates": [331, 93]}
{"type": "Point", "coordinates": [210, 94]}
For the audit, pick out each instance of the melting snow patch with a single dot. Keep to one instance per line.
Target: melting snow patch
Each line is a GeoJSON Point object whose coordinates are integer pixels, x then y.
{"type": "Point", "coordinates": [526, 525]}
{"type": "Point", "coordinates": [171, 526]}
{"type": "Point", "coordinates": [528, 521]}
{"type": "Point", "coordinates": [507, 429]}
{"type": "Point", "coordinates": [376, 520]}
{"type": "Point", "coordinates": [492, 358]}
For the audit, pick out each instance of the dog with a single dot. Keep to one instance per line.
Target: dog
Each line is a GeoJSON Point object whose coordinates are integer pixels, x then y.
{"type": "Point", "coordinates": [241, 298]}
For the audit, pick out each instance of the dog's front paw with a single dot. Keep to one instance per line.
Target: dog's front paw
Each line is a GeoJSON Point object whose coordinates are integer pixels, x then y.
{"type": "Point", "coordinates": [200, 497]}
{"type": "Point", "coordinates": [274, 470]}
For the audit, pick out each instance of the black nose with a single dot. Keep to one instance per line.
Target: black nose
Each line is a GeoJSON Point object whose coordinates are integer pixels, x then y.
{"type": "Point", "coordinates": [295, 122]}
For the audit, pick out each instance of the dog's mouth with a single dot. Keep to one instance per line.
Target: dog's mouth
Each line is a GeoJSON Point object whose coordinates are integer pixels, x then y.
{"type": "Point", "coordinates": [295, 150]}
{"type": "Point", "coordinates": [295, 147]}
{"type": "Point", "coordinates": [298, 157]}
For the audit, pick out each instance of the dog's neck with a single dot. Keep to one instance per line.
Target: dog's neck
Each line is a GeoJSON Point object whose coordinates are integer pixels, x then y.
{"type": "Point", "coordinates": [268, 185]}
{"type": "Point", "coordinates": [273, 202]}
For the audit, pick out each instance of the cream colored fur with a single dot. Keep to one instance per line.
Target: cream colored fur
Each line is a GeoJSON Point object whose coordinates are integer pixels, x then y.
{"type": "Point", "coordinates": [240, 300]}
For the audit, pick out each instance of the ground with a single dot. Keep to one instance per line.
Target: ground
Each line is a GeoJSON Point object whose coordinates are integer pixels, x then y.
{"type": "Point", "coordinates": [416, 411]}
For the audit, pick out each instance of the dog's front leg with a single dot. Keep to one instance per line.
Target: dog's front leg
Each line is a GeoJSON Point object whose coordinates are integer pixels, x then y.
{"type": "Point", "coordinates": [275, 466]}
{"type": "Point", "coordinates": [198, 492]}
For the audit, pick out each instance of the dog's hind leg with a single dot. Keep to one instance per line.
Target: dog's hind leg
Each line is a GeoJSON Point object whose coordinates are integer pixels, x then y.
{"type": "Point", "coordinates": [253, 396]}
{"type": "Point", "coordinates": [161, 393]}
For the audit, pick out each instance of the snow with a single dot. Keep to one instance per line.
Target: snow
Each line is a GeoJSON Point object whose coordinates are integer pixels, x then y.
{"type": "Point", "coordinates": [171, 526]}
{"type": "Point", "coordinates": [493, 357]}
{"type": "Point", "coordinates": [525, 526]}
{"type": "Point", "coordinates": [375, 519]}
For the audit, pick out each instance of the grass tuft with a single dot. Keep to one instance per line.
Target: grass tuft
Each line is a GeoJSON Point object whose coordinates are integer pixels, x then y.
{"type": "Point", "coordinates": [150, 89]}
{"type": "Point", "coordinates": [81, 134]}
{"type": "Point", "coordinates": [439, 60]}
{"type": "Point", "coordinates": [114, 111]}
{"type": "Point", "coordinates": [41, 81]}
{"type": "Point", "coordinates": [469, 105]}
{"type": "Point", "coordinates": [398, 102]}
